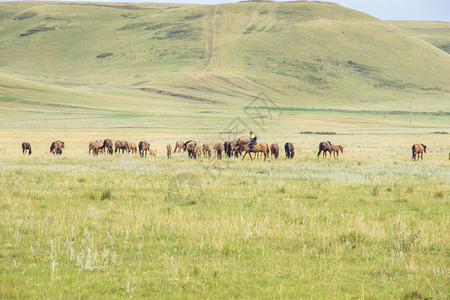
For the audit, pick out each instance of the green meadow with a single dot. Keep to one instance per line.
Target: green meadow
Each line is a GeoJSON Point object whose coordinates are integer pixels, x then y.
{"type": "Point", "coordinates": [371, 224]}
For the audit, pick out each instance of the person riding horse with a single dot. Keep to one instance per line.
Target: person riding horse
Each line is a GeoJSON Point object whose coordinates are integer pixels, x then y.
{"type": "Point", "coordinates": [252, 142]}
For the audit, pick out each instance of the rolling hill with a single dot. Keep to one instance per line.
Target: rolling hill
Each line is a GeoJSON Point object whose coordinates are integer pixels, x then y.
{"type": "Point", "coordinates": [167, 59]}
{"type": "Point", "coordinates": [435, 33]}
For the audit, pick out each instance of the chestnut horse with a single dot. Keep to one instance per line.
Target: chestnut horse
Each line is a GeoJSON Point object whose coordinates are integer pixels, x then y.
{"type": "Point", "coordinates": [178, 146]}
{"type": "Point", "coordinates": [335, 150]}
{"type": "Point", "coordinates": [261, 147]}
{"type": "Point", "coordinates": [418, 150]}
{"type": "Point", "coordinates": [219, 148]}
{"type": "Point", "coordinates": [132, 148]}
{"type": "Point", "coordinates": [26, 147]}
{"type": "Point", "coordinates": [274, 150]}
{"type": "Point", "coordinates": [206, 148]}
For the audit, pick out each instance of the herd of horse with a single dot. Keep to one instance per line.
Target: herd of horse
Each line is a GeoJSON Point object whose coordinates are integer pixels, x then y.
{"type": "Point", "coordinates": [195, 150]}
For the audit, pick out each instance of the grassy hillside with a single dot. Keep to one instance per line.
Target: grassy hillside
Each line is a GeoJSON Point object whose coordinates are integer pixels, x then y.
{"type": "Point", "coordinates": [435, 33]}
{"type": "Point", "coordinates": [157, 59]}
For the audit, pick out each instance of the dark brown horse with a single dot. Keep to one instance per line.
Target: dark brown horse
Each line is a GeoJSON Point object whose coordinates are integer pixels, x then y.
{"type": "Point", "coordinates": [26, 147]}
{"type": "Point", "coordinates": [179, 146]}
{"type": "Point", "coordinates": [289, 150]}
{"type": "Point", "coordinates": [335, 150]}
{"type": "Point", "coordinates": [324, 147]}
{"type": "Point", "coordinates": [56, 147]}
{"type": "Point", "coordinates": [144, 147]}
{"type": "Point", "coordinates": [219, 148]}
{"type": "Point", "coordinates": [185, 144]}
{"type": "Point", "coordinates": [169, 150]}
{"type": "Point", "coordinates": [190, 147]}
{"type": "Point", "coordinates": [260, 147]}
{"type": "Point", "coordinates": [107, 144]}
{"type": "Point", "coordinates": [418, 150]}
{"type": "Point", "coordinates": [274, 151]}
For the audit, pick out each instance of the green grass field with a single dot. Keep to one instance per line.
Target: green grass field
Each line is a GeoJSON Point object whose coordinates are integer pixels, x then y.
{"type": "Point", "coordinates": [371, 224]}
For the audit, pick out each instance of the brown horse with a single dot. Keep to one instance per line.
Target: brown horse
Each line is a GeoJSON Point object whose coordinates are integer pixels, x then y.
{"type": "Point", "coordinates": [261, 147]}
{"type": "Point", "coordinates": [418, 150]}
{"type": "Point", "coordinates": [56, 147]}
{"type": "Point", "coordinates": [107, 144]}
{"type": "Point", "coordinates": [198, 151]}
{"type": "Point", "coordinates": [219, 148]}
{"type": "Point", "coordinates": [143, 148]}
{"type": "Point", "coordinates": [324, 147]}
{"type": "Point", "coordinates": [26, 147]}
{"type": "Point", "coordinates": [152, 154]}
{"type": "Point", "coordinates": [190, 147]}
{"type": "Point", "coordinates": [169, 150]}
{"type": "Point", "coordinates": [185, 144]}
{"type": "Point", "coordinates": [274, 151]}
{"type": "Point", "coordinates": [179, 146]}
{"type": "Point", "coordinates": [289, 150]}
{"type": "Point", "coordinates": [121, 146]}
{"type": "Point", "coordinates": [206, 149]}
{"type": "Point", "coordinates": [93, 146]}
{"type": "Point", "coordinates": [131, 148]}
{"type": "Point", "coordinates": [335, 150]}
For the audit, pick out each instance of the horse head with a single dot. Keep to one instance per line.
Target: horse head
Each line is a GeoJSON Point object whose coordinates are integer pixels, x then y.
{"type": "Point", "coordinates": [341, 148]}
{"type": "Point", "coordinates": [424, 148]}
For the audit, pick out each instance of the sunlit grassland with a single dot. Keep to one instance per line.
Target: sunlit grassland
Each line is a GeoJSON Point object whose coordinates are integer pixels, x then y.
{"type": "Point", "coordinates": [370, 224]}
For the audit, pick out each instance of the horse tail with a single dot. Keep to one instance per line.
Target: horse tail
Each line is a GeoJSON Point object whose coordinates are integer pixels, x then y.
{"type": "Point", "coordinates": [286, 149]}
{"type": "Point", "coordinates": [52, 147]}
{"type": "Point", "coordinates": [29, 152]}
{"type": "Point", "coordinates": [320, 150]}
{"type": "Point", "coordinates": [413, 152]}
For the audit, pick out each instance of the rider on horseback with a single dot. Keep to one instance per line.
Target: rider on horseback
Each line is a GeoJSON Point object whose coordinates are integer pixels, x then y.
{"type": "Point", "coordinates": [252, 142]}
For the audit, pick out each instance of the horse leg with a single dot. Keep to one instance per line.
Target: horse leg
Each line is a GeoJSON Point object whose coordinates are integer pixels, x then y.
{"type": "Point", "coordinates": [249, 154]}
{"type": "Point", "coordinates": [245, 155]}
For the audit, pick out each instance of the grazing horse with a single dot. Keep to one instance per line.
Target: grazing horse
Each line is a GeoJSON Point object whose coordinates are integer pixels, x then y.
{"type": "Point", "coordinates": [206, 149]}
{"type": "Point", "coordinates": [143, 148]}
{"type": "Point", "coordinates": [152, 154]}
{"type": "Point", "coordinates": [190, 147]}
{"type": "Point", "coordinates": [335, 150]}
{"type": "Point", "coordinates": [324, 147]}
{"type": "Point", "coordinates": [418, 150]}
{"type": "Point", "coordinates": [26, 147]}
{"type": "Point", "coordinates": [198, 151]}
{"type": "Point", "coordinates": [274, 151]}
{"type": "Point", "coordinates": [107, 144]}
{"type": "Point", "coordinates": [260, 147]}
{"type": "Point", "coordinates": [93, 146]}
{"type": "Point", "coordinates": [289, 150]}
{"type": "Point", "coordinates": [219, 148]}
{"type": "Point", "coordinates": [132, 148]}
{"type": "Point", "coordinates": [185, 144]}
{"type": "Point", "coordinates": [121, 146]}
{"type": "Point", "coordinates": [56, 147]}
{"type": "Point", "coordinates": [169, 150]}
{"type": "Point", "coordinates": [179, 146]}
